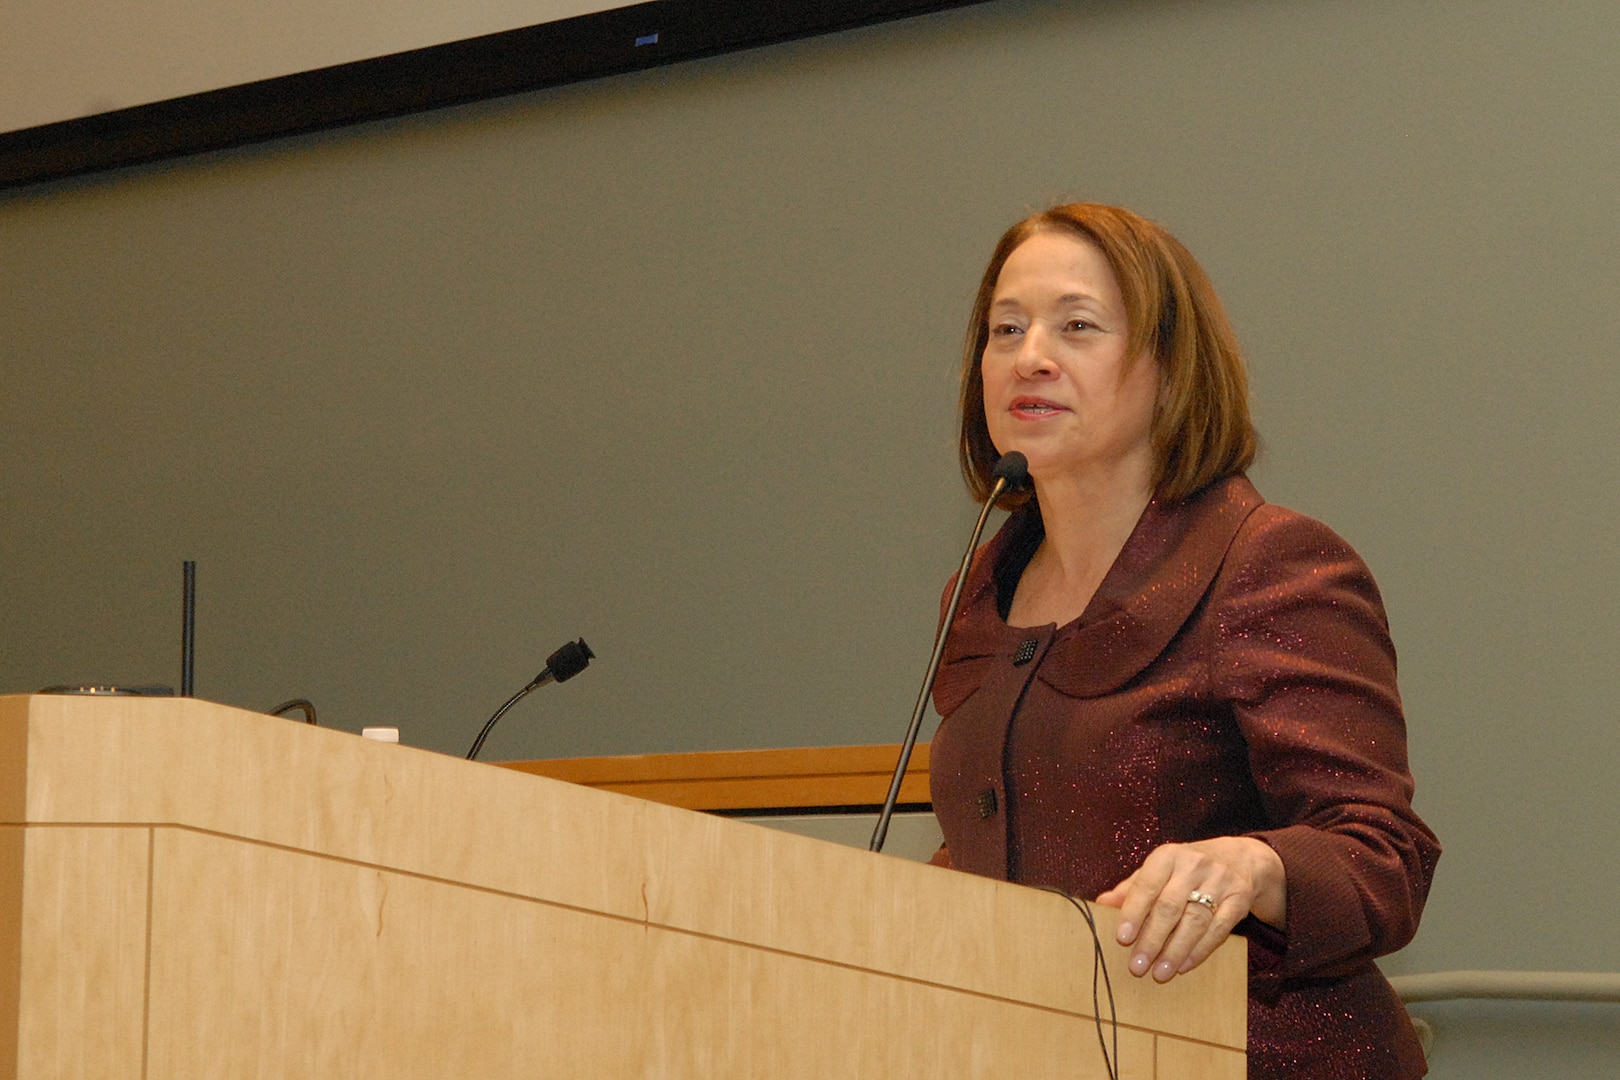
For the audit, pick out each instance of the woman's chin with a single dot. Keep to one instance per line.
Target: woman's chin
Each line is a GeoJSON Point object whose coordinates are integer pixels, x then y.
{"type": "Point", "coordinates": [1042, 462]}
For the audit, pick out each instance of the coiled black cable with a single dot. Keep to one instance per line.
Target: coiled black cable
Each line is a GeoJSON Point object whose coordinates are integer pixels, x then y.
{"type": "Point", "coordinates": [304, 705]}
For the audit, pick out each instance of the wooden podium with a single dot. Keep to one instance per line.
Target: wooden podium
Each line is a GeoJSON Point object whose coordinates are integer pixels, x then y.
{"type": "Point", "coordinates": [193, 891]}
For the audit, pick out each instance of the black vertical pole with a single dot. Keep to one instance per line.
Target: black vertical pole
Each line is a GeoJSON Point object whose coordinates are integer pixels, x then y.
{"type": "Point", "coordinates": [188, 628]}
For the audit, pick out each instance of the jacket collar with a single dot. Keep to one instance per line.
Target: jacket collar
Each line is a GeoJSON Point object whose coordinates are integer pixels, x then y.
{"type": "Point", "coordinates": [1161, 574]}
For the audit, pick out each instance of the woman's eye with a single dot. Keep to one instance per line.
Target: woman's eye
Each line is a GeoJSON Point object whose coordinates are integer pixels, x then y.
{"type": "Point", "coordinates": [1005, 330]}
{"type": "Point", "coordinates": [1075, 325]}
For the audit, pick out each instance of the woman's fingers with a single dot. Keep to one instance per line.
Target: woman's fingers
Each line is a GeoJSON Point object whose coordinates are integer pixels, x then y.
{"type": "Point", "coordinates": [1116, 896]}
{"type": "Point", "coordinates": [1139, 893]}
{"type": "Point", "coordinates": [1196, 935]}
{"type": "Point", "coordinates": [1167, 912]}
{"type": "Point", "coordinates": [1162, 916]}
{"type": "Point", "coordinates": [1224, 919]}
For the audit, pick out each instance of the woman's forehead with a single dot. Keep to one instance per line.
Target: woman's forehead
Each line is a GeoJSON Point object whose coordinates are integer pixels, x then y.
{"type": "Point", "coordinates": [1056, 268]}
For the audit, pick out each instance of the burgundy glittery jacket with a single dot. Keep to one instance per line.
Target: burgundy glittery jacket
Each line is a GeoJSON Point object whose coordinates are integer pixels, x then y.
{"type": "Point", "coordinates": [1233, 675]}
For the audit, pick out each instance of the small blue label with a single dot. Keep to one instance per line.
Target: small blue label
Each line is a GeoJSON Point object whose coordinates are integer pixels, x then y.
{"type": "Point", "coordinates": [646, 39]}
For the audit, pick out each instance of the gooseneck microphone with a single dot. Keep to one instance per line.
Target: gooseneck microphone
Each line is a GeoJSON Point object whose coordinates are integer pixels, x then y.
{"type": "Point", "coordinates": [561, 666]}
{"type": "Point", "coordinates": [1012, 469]}
{"type": "Point", "coordinates": [188, 626]}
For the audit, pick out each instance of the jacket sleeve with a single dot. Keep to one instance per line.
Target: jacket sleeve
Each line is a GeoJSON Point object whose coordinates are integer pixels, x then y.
{"type": "Point", "coordinates": [1302, 651]}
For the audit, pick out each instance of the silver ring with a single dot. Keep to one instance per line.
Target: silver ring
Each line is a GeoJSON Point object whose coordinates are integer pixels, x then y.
{"type": "Point", "coordinates": [1202, 898]}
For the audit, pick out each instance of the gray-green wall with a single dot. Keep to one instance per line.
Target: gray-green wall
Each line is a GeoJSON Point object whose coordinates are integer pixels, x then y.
{"type": "Point", "coordinates": [667, 360]}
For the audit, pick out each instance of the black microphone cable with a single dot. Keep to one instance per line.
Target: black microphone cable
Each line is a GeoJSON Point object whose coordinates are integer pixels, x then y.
{"type": "Point", "coordinates": [1099, 968]}
{"type": "Point", "coordinates": [561, 666]}
{"type": "Point", "coordinates": [303, 705]}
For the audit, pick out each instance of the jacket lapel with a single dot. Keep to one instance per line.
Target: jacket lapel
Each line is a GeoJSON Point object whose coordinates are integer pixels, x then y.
{"type": "Point", "coordinates": [1161, 575]}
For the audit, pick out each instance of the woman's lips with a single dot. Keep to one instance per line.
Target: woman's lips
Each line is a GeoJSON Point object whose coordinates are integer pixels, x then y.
{"type": "Point", "coordinates": [1035, 408]}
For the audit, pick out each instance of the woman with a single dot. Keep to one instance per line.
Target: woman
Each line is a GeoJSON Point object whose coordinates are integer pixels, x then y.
{"type": "Point", "coordinates": [1160, 690]}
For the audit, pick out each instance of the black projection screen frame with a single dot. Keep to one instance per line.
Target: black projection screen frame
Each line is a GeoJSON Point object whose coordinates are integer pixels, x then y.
{"type": "Point", "coordinates": [590, 46]}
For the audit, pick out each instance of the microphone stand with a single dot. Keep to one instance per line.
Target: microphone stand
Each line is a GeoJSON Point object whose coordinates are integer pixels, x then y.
{"type": "Point", "coordinates": [478, 743]}
{"type": "Point", "coordinates": [562, 665]}
{"type": "Point", "coordinates": [1010, 468]}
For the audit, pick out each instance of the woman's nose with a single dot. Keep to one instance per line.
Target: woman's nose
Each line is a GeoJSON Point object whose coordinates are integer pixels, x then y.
{"type": "Point", "coordinates": [1034, 353]}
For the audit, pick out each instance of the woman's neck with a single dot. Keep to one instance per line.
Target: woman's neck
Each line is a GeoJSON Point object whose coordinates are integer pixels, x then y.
{"type": "Point", "coordinates": [1087, 521]}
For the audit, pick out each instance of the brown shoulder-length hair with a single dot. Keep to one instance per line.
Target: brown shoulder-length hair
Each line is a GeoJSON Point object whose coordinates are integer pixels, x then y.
{"type": "Point", "coordinates": [1201, 430]}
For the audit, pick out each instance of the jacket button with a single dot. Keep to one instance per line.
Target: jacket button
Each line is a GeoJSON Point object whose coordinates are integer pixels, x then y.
{"type": "Point", "coordinates": [987, 803]}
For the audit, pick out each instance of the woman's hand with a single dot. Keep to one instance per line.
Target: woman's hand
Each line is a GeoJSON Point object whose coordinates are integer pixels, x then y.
{"type": "Point", "coordinates": [1161, 913]}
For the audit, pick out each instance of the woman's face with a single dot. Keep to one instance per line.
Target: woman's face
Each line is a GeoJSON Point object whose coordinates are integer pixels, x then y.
{"type": "Point", "coordinates": [1059, 384]}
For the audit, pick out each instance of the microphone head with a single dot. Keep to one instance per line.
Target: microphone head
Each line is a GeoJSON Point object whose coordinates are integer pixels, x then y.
{"type": "Point", "coordinates": [569, 660]}
{"type": "Point", "coordinates": [1013, 468]}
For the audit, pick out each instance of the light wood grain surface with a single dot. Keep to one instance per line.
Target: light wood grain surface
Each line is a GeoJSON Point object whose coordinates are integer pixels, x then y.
{"type": "Point", "coordinates": [83, 971]}
{"type": "Point", "coordinates": [321, 905]}
{"type": "Point", "coordinates": [1197, 1061]}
